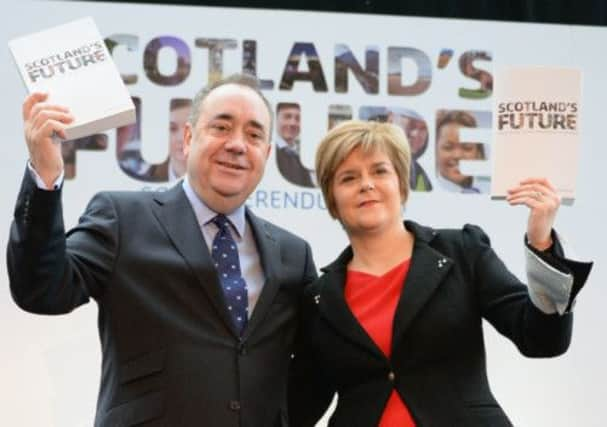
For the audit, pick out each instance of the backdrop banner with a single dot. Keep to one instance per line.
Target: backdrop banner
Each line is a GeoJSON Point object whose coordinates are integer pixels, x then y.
{"type": "Point", "coordinates": [432, 77]}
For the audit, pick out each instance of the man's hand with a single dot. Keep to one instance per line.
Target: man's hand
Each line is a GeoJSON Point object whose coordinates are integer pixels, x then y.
{"type": "Point", "coordinates": [43, 123]}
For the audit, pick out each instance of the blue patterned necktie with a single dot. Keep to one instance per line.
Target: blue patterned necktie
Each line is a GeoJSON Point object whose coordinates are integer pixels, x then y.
{"type": "Point", "coordinates": [227, 263]}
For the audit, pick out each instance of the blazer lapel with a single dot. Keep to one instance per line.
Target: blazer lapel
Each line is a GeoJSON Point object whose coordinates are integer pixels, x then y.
{"type": "Point", "coordinates": [269, 253]}
{"type": "Point", "coordinates": [174, 212]}
{"type": "Point", "coordinates": [334, 308]}
{"type": "Point", "coordinates": [427, 270]}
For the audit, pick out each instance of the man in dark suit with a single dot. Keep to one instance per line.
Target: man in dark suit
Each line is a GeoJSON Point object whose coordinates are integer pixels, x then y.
{"type": "Point", "coordinates": [197, 296]}
{"type": "Point", "coordinates": [288, 118]}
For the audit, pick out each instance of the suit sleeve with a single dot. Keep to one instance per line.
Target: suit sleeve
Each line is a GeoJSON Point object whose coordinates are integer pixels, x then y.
{"type": "Point", "coordinates": [51, 272]}
{"type": "Point", "coordinates": [310, 393]}
{"type": "Point", "coordinates": [505, 303]}
{"type": "Point", "coordinates": [310, 273]}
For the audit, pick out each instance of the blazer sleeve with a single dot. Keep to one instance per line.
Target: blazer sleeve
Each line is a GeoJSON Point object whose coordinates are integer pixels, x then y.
{"type": "Point", "coordinates": [554, 280]}
{"type": "Point", "coordinates": [309, 392]}
{"type": "Point", "coordinates": [505, 302]}
{"type": "Point", "coordinates": [51, 272]}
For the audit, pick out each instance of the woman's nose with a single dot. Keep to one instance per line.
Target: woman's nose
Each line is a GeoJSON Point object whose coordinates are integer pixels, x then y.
{"type": "Point", "coordinates": [367, 184]}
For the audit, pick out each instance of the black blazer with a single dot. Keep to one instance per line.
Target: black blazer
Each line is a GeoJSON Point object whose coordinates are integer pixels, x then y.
{"type": "Point", "coordinates": [437, 364]}
{"type": "Point", "coordinates": [171, 356]}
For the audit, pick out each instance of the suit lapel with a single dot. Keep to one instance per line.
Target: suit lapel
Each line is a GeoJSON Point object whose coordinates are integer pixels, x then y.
{"type": "Point", "coordinates": [334, 308]}
{"type": "Point", "coordinates": [427, 270]}
{"type": "Point", "coordinates": [269, 253]}
{"type": "Point", "coordinates": [174, 212]}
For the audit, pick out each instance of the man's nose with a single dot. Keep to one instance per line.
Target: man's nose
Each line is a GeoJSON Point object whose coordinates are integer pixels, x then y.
{"type": "Point", "coordinates": [458, 152]}
{"type": "Point", "coordinates": [236, 143]}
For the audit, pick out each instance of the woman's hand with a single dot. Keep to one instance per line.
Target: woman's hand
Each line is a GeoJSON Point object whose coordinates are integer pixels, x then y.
{"type": "Point", "coordinates": [543, 201]}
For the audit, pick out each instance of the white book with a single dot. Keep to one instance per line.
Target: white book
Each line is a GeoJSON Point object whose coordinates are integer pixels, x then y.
{"type": "Point", "coordinates": [536, 128]}
{"type": "Point", "coordinates": [72, 64]}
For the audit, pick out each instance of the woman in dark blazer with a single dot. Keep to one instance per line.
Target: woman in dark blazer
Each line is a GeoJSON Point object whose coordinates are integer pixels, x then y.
{"type": "Point", "coordinates": [393, 326]}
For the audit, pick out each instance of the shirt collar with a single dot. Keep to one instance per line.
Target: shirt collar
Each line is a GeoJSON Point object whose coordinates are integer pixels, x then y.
{"type": "Point", "coordinates": [450, 185]}
{"type": "Point", "coordinates": [281, 143]}
{"type": "Point", "coordinates": [205, 214]}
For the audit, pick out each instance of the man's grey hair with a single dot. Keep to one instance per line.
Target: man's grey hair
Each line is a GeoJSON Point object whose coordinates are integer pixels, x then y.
{"type": "Point", "coordinates": [241, 79]}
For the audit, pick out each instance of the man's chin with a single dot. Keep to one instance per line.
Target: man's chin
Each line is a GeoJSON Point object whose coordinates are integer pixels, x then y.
{"type": "Point", "coordinates": [230, 191]}
{"type": "Point", "coordinates": [462, 180]}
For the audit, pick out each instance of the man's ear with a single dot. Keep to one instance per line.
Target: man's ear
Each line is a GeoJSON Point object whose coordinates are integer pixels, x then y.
{"type": "Point", "coordinates": [187, 139]}
{"type": "Point", "coordinates": [268, 150]}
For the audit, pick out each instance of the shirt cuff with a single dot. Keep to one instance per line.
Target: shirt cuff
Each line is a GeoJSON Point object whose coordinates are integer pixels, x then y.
{"type": "Point", "coordinates": [554, 278]}
{"type": "Point", "coordinates": [40, 183]}
{"type": "Point", "coordinates": [549, 288]}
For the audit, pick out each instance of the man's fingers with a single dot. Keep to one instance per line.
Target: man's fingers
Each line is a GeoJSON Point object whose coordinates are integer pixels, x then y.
{"type": "Point", "coordinates": [30, 101]}
{"type": "Point", "coordinates": [49, 128]}
{"type": "Point", "coordinates": [55, 115]}
{"type": "Point", "coordinates": [40, 107]}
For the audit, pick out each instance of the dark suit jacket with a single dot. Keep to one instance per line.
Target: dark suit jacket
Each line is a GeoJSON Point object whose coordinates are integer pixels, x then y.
{"type": "Point", "coordinates": [291, 168]}
{"type": "Point", "coordinates": [437, 364]}
{"type": "Point", "coordinates": [171, 356]}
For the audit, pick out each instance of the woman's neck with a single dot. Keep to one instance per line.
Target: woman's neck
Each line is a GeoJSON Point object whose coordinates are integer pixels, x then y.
{"type": "Point", "coordinates": [378, 252]}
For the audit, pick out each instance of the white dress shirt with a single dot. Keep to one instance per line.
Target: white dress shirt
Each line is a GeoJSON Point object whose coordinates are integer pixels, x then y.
{"type": "Point", "coordinates": [250, 261]}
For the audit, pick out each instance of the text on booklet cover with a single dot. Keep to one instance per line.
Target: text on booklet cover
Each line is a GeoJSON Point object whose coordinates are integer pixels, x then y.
{"type": "Point", "coordinates": [536, 128]}
{"type": "Point", "coordinates": [66, 61]}
{"type": "Point", "coordinates": [72, 64]}
{"type": "Point", "coordinates": [536, 115]}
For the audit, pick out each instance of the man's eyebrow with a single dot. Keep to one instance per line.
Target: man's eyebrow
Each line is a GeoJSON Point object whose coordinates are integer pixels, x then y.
{"type": "Point", "coordinates": [223, 116]}
{"type": "Point", "coordinates": [227, 116]}
{"type": "Point", "coordinates": [256, 125]}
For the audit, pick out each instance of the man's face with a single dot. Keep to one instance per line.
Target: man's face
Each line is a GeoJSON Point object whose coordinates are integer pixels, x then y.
{"type": "Point", "coordinates": [288, 124]}
{"type": "Point", "coordinates": [179, 118]}
{"type": "Point", "coordinates": [415, 129]}
{"type": "Point", "coordinates": [417, 134]}
{"type": "Point", "coordinates": [227, 149]}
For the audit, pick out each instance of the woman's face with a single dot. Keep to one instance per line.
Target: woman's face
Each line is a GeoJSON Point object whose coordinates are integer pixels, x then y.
{"type": "Point", "coordinates": [367, 193]}
{"type": "Point", "coordinates": [450, 151]}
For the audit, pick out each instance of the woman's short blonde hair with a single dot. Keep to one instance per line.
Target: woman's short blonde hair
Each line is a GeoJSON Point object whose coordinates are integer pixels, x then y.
{"type": "Point", "coordinates": [369, 136]}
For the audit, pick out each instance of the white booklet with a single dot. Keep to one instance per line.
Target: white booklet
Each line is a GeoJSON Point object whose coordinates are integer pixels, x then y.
{"type": "Point", "coordinates": [536, 128]}
{"type": "Point", "coordinates": [72, 64]}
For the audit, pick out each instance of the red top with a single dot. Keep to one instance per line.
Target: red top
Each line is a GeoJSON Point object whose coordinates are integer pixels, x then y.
{"type": "Point", "coordinates": [373, 301]}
